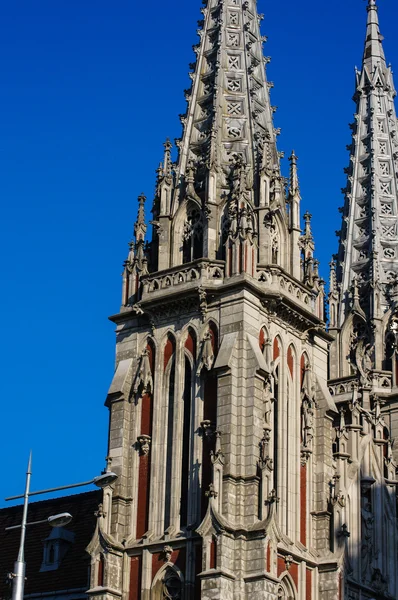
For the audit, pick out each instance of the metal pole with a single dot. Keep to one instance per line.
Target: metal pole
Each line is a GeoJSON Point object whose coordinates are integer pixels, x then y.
{"type": "Point", "coordinates": [49, 490]}
{"type": "Point", "coordinates": [20, 566]}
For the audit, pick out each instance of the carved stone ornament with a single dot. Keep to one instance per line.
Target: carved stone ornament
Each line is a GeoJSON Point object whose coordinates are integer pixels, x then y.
{"type": "Point", "coordinates": [392, 337]}
{"type": "Point", "coordinates": [166, 553]}
{"type": "Point", "coordinates": [211, 493]}
{"type": "Point", "coordinates": [307, 409]}
{"type": "Point", "coordinates": [288, 561]}
{"type": "Point", "coordinates": [144, 381]}
{"type": "Point", "coordinates": [208, 428]}
{"type": "Point", "coordinates": [144, 442]}
{"type": "Point", "coordinates": [100, 512]}
{"type": "Point", "coordinates": [265, 460]}
{"type": "Point", "coordinates": [207, 355]}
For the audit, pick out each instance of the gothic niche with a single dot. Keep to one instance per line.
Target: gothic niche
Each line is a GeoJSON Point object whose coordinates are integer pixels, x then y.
{"type": "Point", "coordinates": [143, 381]}
{"type": "Point", "coordinates": [308, 406]}
{"type": "Point", "coordinates": [238, 222]}
{"type": "Point", "coordinates": [192, 237]}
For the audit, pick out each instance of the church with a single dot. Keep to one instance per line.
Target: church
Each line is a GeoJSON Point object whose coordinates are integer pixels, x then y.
{"type": "Point", "coordinates": [253, 412]}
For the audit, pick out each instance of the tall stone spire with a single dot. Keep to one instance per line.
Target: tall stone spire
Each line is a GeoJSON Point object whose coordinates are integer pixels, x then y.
{"type": "Point", "coordinates": [374, 53]}
{"type": "Point", "coordinates": [228, 160]}
{"type": "Point", "coordinates": [368, 248]}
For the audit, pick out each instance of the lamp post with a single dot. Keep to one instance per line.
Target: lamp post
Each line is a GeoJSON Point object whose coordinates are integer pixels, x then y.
{"type": "Point", "coordinates": [18, 576]}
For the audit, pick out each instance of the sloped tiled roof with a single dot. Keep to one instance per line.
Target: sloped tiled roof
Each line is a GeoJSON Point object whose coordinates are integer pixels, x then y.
{"type": "Point", "coordinates": [74, 570]}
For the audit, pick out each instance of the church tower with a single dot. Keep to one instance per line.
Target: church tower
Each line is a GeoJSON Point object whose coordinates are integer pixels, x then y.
{"type": "Point", "coordinates": [234, 460]}
{"type": "Point", "coordinates": [364, 323]}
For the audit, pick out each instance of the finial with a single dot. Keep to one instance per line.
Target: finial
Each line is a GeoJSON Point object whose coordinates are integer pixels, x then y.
{"type": "Point", "coordinates": [373, 53]}
{"type": "Point", "coordinates": [307, 219]}
{"type": "Point", "coordinates": [140, 226]}
{"type": "Point", "coordinates": [167, 164]}
{"type": "Point", "coordinates": [294, 187]}
{"type": "Point", "coordinates": [333, 277]}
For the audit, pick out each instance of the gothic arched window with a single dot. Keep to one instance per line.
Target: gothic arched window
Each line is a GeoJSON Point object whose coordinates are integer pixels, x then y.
{"type": "Point", "coordinates": [171, 586]}
{"type": "Point", "coordinates": [192, 247]}
{"type": "Point", "coordinates": [169, 388]}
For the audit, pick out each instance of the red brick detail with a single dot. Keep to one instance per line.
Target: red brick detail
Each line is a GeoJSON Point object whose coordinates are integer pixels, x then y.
{"type": "Point", "coordinates": [190, 344]}
{"type": "Point", "coordinates": [293, 569]}
{"type": "Point", "coordinates": [302, 368]}
{"type": "Point", "coordinates": [303, 505]}
{"type": "Point", "coordinates": [151, 350]}
{"type": "Point", "coordinates": [308, 585]}
{"type": "Point", "coordinates": [213, 554]}
{"type": "Point", "coordinates": [290, 360]}
{"type": "Point", "coordinates": [277, 350]}
{"type": "Point", "coordinates": [100, 579]}
{"type": "Point", "coordinates": [177, 558]}
{"type": "Point", "coordinates": [261, 339]}
{"type": "Point", "coordinates": [169, 350]}
{"type": "Point", "coordinates": [268, 566]}
{"type": "Point", "coordinates": [245, 260]}
{"type": "Point", "coordinates": [135, 578]}
{"type": "Point", "coordinates": [144, 473]}
{"type": "Point", "coordinates": [198, 569]}
{"type": "Point", "coordinates": [294, 572]}
{"type": "Point", "coordinates": [146, 414]}
{"type": "Point", "coordinates": [214, 337]}
{"type": "Point", "coordinates": [281, 565]}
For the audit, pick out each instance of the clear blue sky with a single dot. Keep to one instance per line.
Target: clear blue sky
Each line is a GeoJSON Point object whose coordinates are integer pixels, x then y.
{"type": "Point", "coordinates": [89, 92]}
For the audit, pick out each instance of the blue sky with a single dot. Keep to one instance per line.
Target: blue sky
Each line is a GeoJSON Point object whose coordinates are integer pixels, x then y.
{"type": "Point", "coordinates": [90, 90]}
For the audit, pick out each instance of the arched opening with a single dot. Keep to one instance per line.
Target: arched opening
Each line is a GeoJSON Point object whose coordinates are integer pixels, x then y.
{"type": "Point", "coordinates": [277, 373]}
{"type": "Point", "coordinates": [169, 387]}
{"type": "Point", "coordinates": [286, 590]}
{"type": "Point", "coordinates": [168, 585]}
{"type": "Point", "coordinates": [185, 466]}
{"type": "Point", "coordinates": [145, 439]}
{"type": "Point", "coordinates": [209, 383]}
{"type": "Point", "coordinates": [192, 238]}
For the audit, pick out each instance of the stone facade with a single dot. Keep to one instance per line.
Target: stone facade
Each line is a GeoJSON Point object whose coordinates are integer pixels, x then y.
{"type": "Point", "coordinates": [244, 472]}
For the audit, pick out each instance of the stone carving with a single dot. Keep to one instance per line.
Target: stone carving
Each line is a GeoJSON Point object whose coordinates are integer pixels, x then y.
{"type": "Point", "coordinates": [307, 408]}
{"type": "Point", "coordinates": [367, 549]}
{"type": "Point", "coordinates": [207, 354]}
{"type": "Point", "coordinates": [144, 444]}
{"type": "Point", "coordinates": [268, 399]}
{"type": "Point", "coordinates": [211, 493]}
{"type": "Point", "coordinates": [167, 552]}
{"type": "Point", "coordinates": [144, 380]}
{"type": "Point", "coordinates": [288, 561]}
{"type": "Point", "coordinates": [378, 582]}
{"type": "Point", "coordinates": [265, 460]}
{"type": "Point", "coordinates": [392, 337]}
{"type": "Point", "coordinates": [208, 428]}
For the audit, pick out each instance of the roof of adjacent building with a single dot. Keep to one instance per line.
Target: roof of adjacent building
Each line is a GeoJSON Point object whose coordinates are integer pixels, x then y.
{"type": "Point", "coordinates": [73, 572]}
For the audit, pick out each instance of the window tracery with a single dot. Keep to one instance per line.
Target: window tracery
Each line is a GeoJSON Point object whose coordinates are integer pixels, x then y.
{"type": "Point", "coordinates": [193, 236]}
{"type": "Point", "coordinates": [171, 586]}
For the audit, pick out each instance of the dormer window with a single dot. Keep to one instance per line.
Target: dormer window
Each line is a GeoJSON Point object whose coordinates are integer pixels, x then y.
{"type": "Point", "coordinates": [55, 547]}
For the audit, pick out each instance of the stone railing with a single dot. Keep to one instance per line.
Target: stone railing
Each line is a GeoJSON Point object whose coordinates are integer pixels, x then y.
{"type": "Point", "coordinates": [211, 273]}
{"type": "Point", "coordinates": [184, 277]}
{"type": "Point", "coordinates": [380, 381]}
{"type": "Point", "coordinates": [274, 279]}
